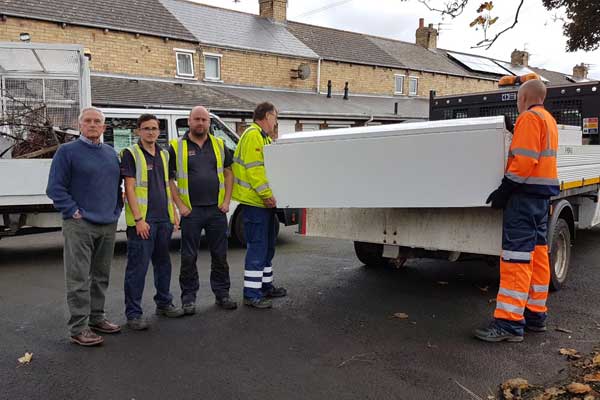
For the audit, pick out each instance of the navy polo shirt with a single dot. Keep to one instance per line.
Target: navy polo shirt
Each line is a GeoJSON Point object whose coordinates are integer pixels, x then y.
{"type": "Point", "coordinates": [202, 172]}
{"type": "Point", "coordinates": [157, 192]}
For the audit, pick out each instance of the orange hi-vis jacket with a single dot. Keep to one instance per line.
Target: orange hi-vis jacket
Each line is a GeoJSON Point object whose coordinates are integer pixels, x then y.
{"type": "Point", "coordinates": [532, 156]}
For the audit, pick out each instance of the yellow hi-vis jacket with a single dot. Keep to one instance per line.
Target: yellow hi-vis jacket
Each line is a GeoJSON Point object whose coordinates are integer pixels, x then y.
{"type": "Point", "coordinates": [141, 184]}
{"type": "Point", "coordinates": [180, 147]}
{"type": "Point", "coordinates": [250, 185]}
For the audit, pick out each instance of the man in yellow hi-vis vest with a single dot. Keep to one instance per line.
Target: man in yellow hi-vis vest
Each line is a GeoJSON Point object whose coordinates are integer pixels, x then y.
{"type": "Point", "coordinates": [201, 181]}
{"type": "Point", "coordinates": [251, 189]}
{"type": "Point", "coordinates": [150, 217]}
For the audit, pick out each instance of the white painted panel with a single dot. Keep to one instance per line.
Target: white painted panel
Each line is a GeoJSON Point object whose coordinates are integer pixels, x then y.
{"type": "Point", "coordinates": [430, 164]}
{"type": "Point", "coordinates": [286, 126]}
{"type": "Point", "coordinates": [24, 182]}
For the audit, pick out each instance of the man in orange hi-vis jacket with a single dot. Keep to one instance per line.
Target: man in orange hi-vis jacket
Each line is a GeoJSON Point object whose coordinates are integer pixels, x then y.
{"type": "Point", "coordinates": [529, 181]}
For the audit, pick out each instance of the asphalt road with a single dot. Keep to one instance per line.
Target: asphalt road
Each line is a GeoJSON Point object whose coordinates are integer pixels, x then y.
{"type": "Point", "coordinates": [333, 337]}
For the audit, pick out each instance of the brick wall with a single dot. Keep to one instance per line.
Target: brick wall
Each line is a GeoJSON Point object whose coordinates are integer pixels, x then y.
{"type": "Point", "coordinates": [365, 79]}
{"type": "Point", "coordinates": [114, 52]}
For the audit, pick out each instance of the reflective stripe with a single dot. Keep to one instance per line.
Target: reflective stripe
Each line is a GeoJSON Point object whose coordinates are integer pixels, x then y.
{"type": "Point", "coordinates": [253, 285]}
{"type": "Point", "coordinates": [253, 274]}
{"type": "Point", "coordinates": [180, 169]}
{"type": "Point", "coordinates": [525, 152]}
{"type": "Point", "coordinates": [255, 164]}
{"type": "Point", "coordinates": [548, 145]}
{"type": "Point", "coordinates": [268, 269]}
{"type": "Point", "coordinates": [262, 187]}
{"type": "Point", "coordinates": [242, 183]}
{"type": "Point", "coordinates": [514, 294]}
{"type": "Point", "coordinates": [516, 255]}
{"type": "Point", "coordinates": [548, 153]}
{"type": "Point", "coordinates": [142, 201]}
{"type": "Point", "coordinates": [267, 279]}
{"type": "Point", "coordinates": [539, 288]}
{"type": "Point", "coordinates": [510, 308]}
{"type": "Point", "coordinates": [219, 170]}
{"type": "Point", "coordinates": [540, 303]}
{"type": "Point", "coordinates": [249, 165]}
{"type": "Point", "coordinates": [532, 180]}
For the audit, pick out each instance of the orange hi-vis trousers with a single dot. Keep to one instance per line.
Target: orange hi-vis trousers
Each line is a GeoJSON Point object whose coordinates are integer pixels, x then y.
{"type": "Point", "coordinates": [524, 263]}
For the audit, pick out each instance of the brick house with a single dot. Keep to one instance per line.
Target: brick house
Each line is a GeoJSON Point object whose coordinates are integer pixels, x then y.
{"type": "Point", "coordinates": [176, 54]}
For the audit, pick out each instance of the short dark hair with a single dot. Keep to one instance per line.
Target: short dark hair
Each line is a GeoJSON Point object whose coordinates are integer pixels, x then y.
{"type": "Point", "coordinates": [146, 117]}
{"type": "Point", "coordinates": [261, 110]}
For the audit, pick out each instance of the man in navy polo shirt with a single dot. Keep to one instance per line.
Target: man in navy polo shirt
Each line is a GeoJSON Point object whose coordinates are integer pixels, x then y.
{"type": "Point", "coordinates": [151, 218]}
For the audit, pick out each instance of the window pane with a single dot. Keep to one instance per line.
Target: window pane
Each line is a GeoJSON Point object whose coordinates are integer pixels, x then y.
{"type": "Point", "coordinates": [413, 85]}
{"type": "Point", "coordinates": [399, 84]}
{"type": "Point", "coordinates": [182, 126]}
{"type": "Point", "coordinates": [221, 132]}
{"type": "Point", "coordinates": [120, 133]}
{"type": "Point", "coordinates": [212, 67]}
{"type": "Point", "coordinates": [184, 64]}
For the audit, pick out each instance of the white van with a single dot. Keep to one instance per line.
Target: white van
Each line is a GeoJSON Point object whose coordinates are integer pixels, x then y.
{"type": "Point", "coordinates": [120, 126]}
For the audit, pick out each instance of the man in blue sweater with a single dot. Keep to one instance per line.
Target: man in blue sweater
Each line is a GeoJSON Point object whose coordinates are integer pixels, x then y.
{"type": "Point", "coordinates": [85, 186]}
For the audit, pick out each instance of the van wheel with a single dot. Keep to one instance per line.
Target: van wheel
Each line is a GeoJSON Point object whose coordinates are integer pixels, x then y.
{"type": "Point", "coordinates": [560, 253]}
{"type": "Point", "coordinates": [370, 254]}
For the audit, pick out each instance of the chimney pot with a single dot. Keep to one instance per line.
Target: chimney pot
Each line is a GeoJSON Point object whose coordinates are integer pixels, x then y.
{"type": "Point", "coordinates": [426, 36]}
{"type": "Point", "coordinates": [580, 71]}
{"type": "Point", "coordinates": [421, 22]}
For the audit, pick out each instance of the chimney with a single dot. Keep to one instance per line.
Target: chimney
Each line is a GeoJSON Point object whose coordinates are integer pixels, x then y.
{"type": "Point", "coordinates": [518, 57]}
{"type": "Point", "coordinates": [580, 71]}
{"type": "Point", "coordinates": [426, 36]}
{"type": "Point", "coordinates": [275, 10]}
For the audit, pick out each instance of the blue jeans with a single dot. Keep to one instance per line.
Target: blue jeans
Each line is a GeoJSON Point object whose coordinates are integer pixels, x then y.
{"type": "Point", "coordinates": [214, 223]}
{"type": "Point", "coordinates": [259, 228]}
{"type": "Point", "coordinates": [139, 254]}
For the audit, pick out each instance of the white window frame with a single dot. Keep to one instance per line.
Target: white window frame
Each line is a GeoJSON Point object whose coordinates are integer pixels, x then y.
{"type": "Point", "coordinates": [416, 92]}
{"type": "Point", "coordinates": [219, 58]}
{"type": "Point", "coordinates": [396, 76]}
{"type": "Point", "coordinates": [189, 53]}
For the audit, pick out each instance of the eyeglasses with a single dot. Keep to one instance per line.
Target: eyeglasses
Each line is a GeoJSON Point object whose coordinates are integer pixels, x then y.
{"type": "Point", "coordinates": [148, 130]}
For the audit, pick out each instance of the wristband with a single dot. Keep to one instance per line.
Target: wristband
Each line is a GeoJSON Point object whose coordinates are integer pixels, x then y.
{"type": "Point", "coordinates": [138, 219]}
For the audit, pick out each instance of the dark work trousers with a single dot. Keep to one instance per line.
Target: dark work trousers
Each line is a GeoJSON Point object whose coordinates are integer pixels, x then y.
{"type": "Point", "coordinates": [214, 223]}
{"type": "Point", "coordinates": [139, 254]}
{"type": "Point", "coordinates": [260, 227]}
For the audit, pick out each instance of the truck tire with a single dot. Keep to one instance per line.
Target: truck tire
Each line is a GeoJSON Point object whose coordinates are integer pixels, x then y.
{"type": "Point", "coordinates": [560, 253]}
{"type": "Point", "coordinates": [370, 254]}
{"type": "Point", "coordinates": [237, 228]}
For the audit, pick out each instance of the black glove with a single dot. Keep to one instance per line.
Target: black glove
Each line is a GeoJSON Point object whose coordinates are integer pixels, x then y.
{"type": "Point", "coordinates": [499, 197]}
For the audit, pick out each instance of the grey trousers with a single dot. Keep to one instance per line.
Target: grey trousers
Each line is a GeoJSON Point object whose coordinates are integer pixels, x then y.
{"type": "Point", "coordinates": [88, 253]}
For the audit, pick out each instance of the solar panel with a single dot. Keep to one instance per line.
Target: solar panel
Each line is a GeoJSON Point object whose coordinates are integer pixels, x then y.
{"type": "Point", "coordinates": [479, 64]}
{"type": "Point", "coordinates": [518, 70]}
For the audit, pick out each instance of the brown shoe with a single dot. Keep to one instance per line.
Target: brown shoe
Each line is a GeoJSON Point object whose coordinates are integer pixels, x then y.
{"type": "Point", "coordinates": [87, 338]}
{"type": "Point", "coordinates": [105, 326]}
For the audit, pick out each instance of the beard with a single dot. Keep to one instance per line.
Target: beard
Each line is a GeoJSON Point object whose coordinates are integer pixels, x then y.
{"type": "Point", "coordinates": [199, 132]}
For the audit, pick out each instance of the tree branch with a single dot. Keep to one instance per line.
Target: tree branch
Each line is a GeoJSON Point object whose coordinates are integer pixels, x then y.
{"type": "Point", "coordinates": [487, 43]}
{"type": "Point", "coordinates": [452, 9]}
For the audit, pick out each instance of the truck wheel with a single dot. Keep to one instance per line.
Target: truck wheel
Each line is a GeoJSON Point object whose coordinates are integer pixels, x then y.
{"type": "Point", "coordinates": [237, 228]}
{"type": "Point", "coordinates": [370, 254]}
{"type": "Point", "coordinates": [560, 253]}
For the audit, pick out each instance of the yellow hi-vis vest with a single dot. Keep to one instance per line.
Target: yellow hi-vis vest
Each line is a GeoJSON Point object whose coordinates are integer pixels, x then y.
{"type": "Point", "coordinates": [250, 185]}
{"type": "Point", "coordinates": [141, 184]}
{"type": "Point", "coordinates": [180, 147]}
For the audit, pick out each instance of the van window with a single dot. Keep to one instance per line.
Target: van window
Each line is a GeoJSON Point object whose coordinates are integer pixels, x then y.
{"type": "Point", "coordinates": [120, 133]}
{"type": "Point", "coordinates": [216, 128]}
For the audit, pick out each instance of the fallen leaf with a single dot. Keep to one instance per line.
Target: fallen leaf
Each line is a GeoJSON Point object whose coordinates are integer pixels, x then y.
{"type": "Point", "coordinates": [401, 315]}
{"type": "Point", "coordinates": [484, 289]}
{"type": "Point", "coordinates": [563, 330]}
{"type": "Point", "coordinates": [550, 394]}
{"type": "Point", "coordinates": [516, 383]}
{"type": "Point", "coordinates": [596, 360]}
{"type": "Point", "coordinates": [592, 377]}
{"type": "Point", "coordinates": [578, 388]}
{"type": "Point", "coordinates": [507, 393]}
{"type": "Point", "coordinates": [26, 359]}
{"type": "Point", "coordinates": [568, 352]}
{"type": "Point", "coordinates": [589, 397]}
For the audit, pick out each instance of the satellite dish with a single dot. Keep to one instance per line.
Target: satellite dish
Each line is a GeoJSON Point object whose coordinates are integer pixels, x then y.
{"type": "Point", "coordinates": [303, 72]}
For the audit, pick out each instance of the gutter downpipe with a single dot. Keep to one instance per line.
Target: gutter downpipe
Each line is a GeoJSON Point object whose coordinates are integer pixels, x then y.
{"type": "Point", "coordinates": [319, 76]}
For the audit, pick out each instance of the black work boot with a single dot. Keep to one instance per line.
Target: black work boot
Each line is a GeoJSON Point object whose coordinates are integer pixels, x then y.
{"type": "Point", "coordinates": [226, 303]}
{"type": "Point", "coordinates": [275, 292]}
{"type": "Point", "coordinates": [494, 333]}
{"type": "Point", "coordinates": [261, 303]}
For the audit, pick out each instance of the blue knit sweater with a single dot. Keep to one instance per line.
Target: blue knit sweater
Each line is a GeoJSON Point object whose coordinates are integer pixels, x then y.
{"type": "Point", "coordinates": [86, 177]}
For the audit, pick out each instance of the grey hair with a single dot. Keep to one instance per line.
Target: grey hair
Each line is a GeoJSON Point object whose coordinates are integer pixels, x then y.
{"type": "Point", "coordinates": [91, 109]}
